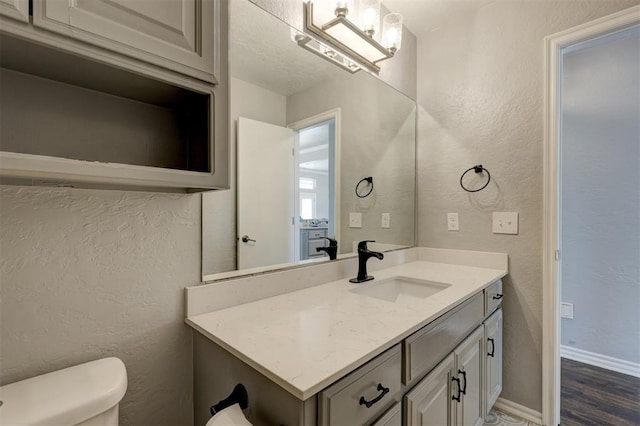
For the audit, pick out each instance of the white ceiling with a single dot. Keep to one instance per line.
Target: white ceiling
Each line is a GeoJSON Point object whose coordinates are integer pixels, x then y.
{"type": "Point", "coordinates": [421, 16]}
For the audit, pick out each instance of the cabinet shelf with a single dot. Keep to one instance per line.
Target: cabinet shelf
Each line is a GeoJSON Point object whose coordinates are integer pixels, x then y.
{"type": "Point", "coordinates": [71, 119]}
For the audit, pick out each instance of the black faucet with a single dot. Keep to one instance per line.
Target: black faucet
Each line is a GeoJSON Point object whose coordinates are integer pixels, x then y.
{"type": "Point", "coordinates": [331, 250]}
{"type": "Point", "coordinates": [363, 255]}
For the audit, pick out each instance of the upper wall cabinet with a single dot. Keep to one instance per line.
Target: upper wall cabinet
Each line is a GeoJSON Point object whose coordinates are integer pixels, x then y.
{"type": "Point", "coordinates": [16, 9]}
{"type": "Point", "coordinates": [115, 93]}
{"type": "Point", "coordinates": [181, 35]}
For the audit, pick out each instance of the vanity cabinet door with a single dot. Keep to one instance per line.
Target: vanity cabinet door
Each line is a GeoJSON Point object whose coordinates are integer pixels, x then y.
{"type": "Point", "coordinates": [493, 359]}
{"type": "Point", "coordinates": [16, 9]}
{"type": "Point", "coordinates": [429, 402]}
{"type": "Point", "coordinates": [469, 372]}
{"type": "Point", "coordinates": [181, 35]}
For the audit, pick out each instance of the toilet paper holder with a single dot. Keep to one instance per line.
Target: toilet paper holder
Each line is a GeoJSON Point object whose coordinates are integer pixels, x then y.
{"type": "Point", "coordinates": [238, 396]}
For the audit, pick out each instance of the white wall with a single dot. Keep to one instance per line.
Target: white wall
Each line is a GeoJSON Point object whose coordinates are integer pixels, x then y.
{"type": "Point", "coordinates": [480, 88]}
{"type": "Point", "coordinates": [86, 274]}
{"type": "Point", "coordinates": [601, 196]}
{"type": "Point", "coordinates": [219, 207]}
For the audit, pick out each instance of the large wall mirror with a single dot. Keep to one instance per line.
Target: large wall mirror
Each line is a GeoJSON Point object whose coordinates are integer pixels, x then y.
{"type": "Point", "coordinates": [306, 133]}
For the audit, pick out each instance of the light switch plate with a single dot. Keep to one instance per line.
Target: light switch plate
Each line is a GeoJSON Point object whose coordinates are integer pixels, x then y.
{"type": "Point", "coordinates": [355, 220]}
{"type": "Point", "coordinates": [505, 222]}
{"type": "Point", "coordinates": [453, 222]}
{"type": "Point", "coordinates": [386, 220]}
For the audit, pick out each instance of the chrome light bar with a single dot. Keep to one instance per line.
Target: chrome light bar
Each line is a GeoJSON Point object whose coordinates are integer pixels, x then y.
{"type": "Point", "coordinates": [376, 52]}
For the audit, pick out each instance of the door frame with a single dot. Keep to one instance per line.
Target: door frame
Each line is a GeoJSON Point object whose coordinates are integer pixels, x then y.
{"type": "Point", "coordinates": [551, 250]}
{"type": "Point", "coordinates": [310, 121]}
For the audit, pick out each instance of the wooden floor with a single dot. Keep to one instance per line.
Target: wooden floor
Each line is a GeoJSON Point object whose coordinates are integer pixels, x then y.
{"type": "Point", "coordinates": [599, 397]}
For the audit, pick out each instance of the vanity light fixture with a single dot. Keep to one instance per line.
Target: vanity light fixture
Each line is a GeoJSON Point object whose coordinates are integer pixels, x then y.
{"type": "Point", "coordinates": [351, 28]}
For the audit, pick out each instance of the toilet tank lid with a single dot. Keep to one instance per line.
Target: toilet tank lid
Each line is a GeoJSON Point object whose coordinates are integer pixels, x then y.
{"type": "Point", "coordinates": [68, 396]}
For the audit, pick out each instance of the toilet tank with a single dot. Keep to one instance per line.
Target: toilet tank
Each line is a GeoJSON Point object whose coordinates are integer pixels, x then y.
{"type": "Point", "coordinates": [85, 394]}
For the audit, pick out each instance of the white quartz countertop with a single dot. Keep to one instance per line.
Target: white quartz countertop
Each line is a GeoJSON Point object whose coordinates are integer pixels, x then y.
{"type": "Point", "coordinates": [307, 339]}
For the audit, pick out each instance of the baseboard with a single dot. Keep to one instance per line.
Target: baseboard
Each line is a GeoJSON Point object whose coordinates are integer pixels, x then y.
{"type": "Point", "coordinates": [517, 410]}
{"type": "Point", "coordinates": [602, 361]}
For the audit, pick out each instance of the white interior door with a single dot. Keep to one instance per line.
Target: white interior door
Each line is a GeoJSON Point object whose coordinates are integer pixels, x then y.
{"type": "Point", "coordinates": [265, 194]}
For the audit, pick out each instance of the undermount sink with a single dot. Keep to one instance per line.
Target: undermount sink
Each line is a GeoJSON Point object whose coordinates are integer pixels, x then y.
{"type": "Point", "coordinates": [398, 289]}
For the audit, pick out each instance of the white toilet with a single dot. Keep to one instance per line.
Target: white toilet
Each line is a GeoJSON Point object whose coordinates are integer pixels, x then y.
{"type": "Point", "coordinates": [86, 394]}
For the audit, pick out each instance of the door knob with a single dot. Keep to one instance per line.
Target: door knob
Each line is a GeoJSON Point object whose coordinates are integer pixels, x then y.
{"type": "Point", "coordinates": [246, 239]}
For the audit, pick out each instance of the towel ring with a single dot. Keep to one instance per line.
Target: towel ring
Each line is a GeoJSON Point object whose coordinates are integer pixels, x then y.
{"type": "Point", "coordinates": [477, 169]}
{"type": "Point", "coordinates": [367, 179]}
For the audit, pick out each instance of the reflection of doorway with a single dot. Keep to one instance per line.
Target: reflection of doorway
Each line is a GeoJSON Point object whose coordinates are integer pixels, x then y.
{"type": "Point", "coordinates": [592, 227]}
{"type": "Point", "coordinates": [316, 189]}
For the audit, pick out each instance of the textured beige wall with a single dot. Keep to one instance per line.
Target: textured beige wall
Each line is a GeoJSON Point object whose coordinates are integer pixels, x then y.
{"type": "Point", "coordinates": [86, 274]}
{"type": "Point", "coordinates": [480, 88]}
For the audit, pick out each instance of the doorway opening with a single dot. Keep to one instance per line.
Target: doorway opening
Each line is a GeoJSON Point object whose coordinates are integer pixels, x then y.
{"type": "Point", "coordinates": [591, 287]}
{"type": "Point", "coordinates": [316, 163]}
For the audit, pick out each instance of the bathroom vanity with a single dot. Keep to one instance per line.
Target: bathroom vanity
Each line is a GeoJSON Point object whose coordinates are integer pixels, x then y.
{"type": "Point", "coordinates": [419, 345]}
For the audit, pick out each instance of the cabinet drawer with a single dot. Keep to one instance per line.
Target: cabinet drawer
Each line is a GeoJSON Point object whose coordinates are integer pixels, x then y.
{"type": "Point", "coordinates": [424, 349]}
{"type": "Point", "coordinates": [492, 297]}
{"type": "Point", "coordinates": [313, 244]}
{"type": "Point", "coordinates": [317, 233]}
{"type": "Point", "coordinates": [340, 403]}
{"type": "Point", "coordinates": [393, 417]}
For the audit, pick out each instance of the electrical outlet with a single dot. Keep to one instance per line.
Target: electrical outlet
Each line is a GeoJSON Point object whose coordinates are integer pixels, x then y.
{"type": "Point", "coordinates": [566, 310]}
{"type": "Point", "coordinates": [505, 222]}
{"type": "Point", "coordinates": [453, 222]}
{"type": "Point", "coordinates": [386, 220]}
{"type": "Point", "coordinates": [355, 220]}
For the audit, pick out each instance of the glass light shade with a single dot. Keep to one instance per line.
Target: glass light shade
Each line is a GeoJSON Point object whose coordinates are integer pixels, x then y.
{"type": "Point", "coordinates": [342, 7]}
{"type": "Point", "coordinates": [392, 31]}
{"type": "Point", "coordinates": [369, 16]}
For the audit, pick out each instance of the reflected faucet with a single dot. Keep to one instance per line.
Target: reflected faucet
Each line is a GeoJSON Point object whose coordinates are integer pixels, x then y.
{"type": "Point", "coordinates": [331, 250]}
{"type": "Point", "coordinates": [363, 255]}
